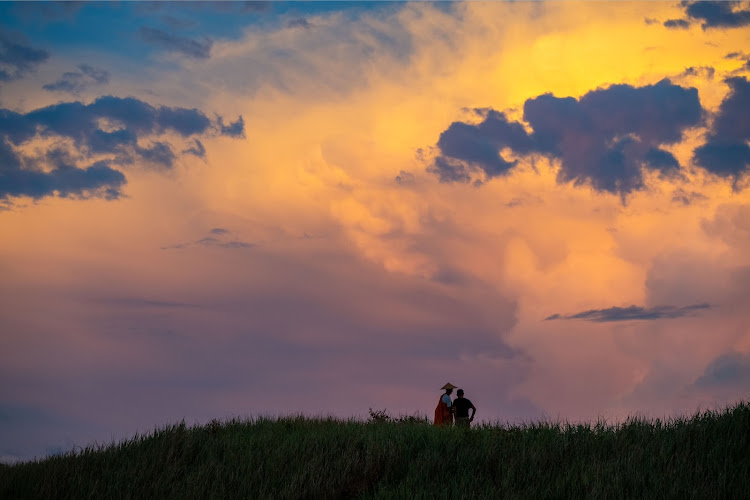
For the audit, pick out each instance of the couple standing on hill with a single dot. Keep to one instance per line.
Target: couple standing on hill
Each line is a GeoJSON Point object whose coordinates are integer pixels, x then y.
{"type": "Point", "coordinates": [446, 409]}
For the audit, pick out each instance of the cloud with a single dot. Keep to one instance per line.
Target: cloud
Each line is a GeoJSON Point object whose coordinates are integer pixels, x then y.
{"type": "Point", "coordinates": [726, 151]}
{"type": "Point", "coordinates": [405, 178]}
{"type": "Point", "coordinates": [235, 244]}
{"type": "Point", "coordinates": [479, 145]}
{"type": "Point", "coordinates": [98, 179]}
{"type": "Point", "coordinates": [218, 237]}
{"type": "Point", "coordinates": [718, 14]}
{"type": "Point", "coordinates": [605, 138]}
{"type": "Point", "coordinates": [184, 121]}
{"type": "Point", "coordinates": [676, 24]}
{"type": "Point", "coordinates": [76, 82]}
{"type": "Point", "coordinates": [82, 122]}
{"type": "Point", "coordinates": [702, 71]}
{"type": "Point", "coordinates": [730, 369]}
{"type": "Point", "coordinates": [197, 149]}
{"type": "Point", "coordinates": [736, 55]}
{"type": "Point", "coordinates": [17, 57]}
{"type": "Point", "coordinates": [160, 153]}
{"type": "Point", "coordinates": [183, 45]}
{"type": "Point", "coordinates": [234, 129]}
{"type": "Point", "coordinates": [687, 198]}
{"type": "Point", "coordinates": [339, 54]}
{"type": "Point", "coordinates": [631, 313]}
{"type": "Point", "coordinates": [300, 22]}
{"type": "Point", "coordinates": [109, 126]}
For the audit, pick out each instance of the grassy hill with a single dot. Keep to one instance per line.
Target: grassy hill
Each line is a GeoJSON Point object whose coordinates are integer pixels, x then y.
{"type": "Point", "coordinates": [706, 456]}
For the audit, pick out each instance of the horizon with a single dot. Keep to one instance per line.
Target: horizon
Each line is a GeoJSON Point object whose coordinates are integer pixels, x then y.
{"type": "Point", "coordinates": [224, 209]}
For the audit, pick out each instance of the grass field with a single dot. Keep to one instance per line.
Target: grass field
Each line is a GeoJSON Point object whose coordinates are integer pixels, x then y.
{"type": "Point", "coordinates": [705, 456]}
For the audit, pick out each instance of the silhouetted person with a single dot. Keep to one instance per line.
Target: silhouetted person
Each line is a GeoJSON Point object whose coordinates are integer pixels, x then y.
{"type": "Point", "coordinates": [444, 410]}
{"type": "Point", "coordinates": [461, 406]}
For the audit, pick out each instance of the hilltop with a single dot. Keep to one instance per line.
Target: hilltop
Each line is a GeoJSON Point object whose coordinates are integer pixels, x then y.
{"type": "Point", "coordinates": [704, 456]}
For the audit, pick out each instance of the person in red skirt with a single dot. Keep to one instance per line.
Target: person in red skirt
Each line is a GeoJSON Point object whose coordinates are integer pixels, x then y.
{"type": "Point", "coordinates": [444, 410]}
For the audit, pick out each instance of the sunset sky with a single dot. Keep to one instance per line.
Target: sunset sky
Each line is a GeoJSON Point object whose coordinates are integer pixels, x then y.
{"type": "Point", "coordinates": [240, 209]}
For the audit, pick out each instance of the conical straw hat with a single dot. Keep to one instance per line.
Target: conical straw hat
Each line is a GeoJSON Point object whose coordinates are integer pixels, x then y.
{"type": "Point", "coordinates": [449, 386]}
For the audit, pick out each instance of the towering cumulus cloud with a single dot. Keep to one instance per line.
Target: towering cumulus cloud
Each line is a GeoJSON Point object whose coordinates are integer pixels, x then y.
{"type": "Point", "coordinates": [105, 133]}
{"type": "Point", "coordinates": [605, 138]}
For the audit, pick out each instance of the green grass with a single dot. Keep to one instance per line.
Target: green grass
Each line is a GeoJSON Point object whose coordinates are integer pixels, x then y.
{"type": "Point", "coordinates": [705, 456]}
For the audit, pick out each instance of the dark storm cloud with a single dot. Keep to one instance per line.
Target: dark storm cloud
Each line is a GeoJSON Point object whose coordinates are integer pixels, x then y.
{"type": "Point", "coordinates": [96, 180]}
{"type": "Point", "coordinates": [81, 122]}
{"type": "Point", "coordinates": [703, 71]}
{"type": "Point", "coordinates": [234, 129]}
{"type": "Point", "coordinates": [718, 14]}
{"type": "Point", "coordinates": [677, 24]}
{"type": "Point", "coordinates": [108, 126]}
{"type": "Point", "coordinates": [174, 43]}
{"type": "Point", "coordinates": [449, 170]}
{"type": "Point", "coordinates": [405, 178]}
{"type": "Point", "coordinates": [159, 153]}
{"type": "Point", "coordinates": [17, 57]}
{"type": "Point", "coordinates": [480, 145]}
{"type": "Point", "coordinates": [235, 244]}
{"type": "Point", "coordinates": [183, 121]}
{"type": "Point", "coordinates": [687, 197]}
{"type": "Point", "coordinates": [75, 82]}
{"type": "Point", "coordinates": [218, 237]}
{"type": "Point", "coordinates": [736, 55]}
{"type": "Point", "coordinates": [631, 313]}
{"type": "Point", "coordinates": [733, 120]}
{"type": "Point", "coordinates": [742, 56]}
{"type": "Point", "coordinates": [210, 241]}
{"type": "Point", "coordinates": [731, 369]}
{"type": "Point", "coordinates": [15, 126]}
{"type": "Point", "coordinates": [63, 179]}
{"type": "Point", "coordinates": [726, 151]}
{"type": "Point", "coordinates": [605, 138]}
{"type": "Point", "coordinates": [196, 149]}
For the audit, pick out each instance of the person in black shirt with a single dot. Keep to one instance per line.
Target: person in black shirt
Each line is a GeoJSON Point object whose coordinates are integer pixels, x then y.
{"type": "Point", "coordinates": [462, 405]}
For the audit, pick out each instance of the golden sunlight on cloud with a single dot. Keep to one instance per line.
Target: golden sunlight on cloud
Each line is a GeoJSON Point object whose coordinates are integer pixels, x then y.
{"type": "Point", "coordinates": [330, 204]}
{"type": "Point", "coordinates": [314, 164]}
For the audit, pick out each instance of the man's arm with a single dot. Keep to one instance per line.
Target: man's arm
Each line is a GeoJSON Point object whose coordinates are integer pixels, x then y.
{"type": "Point", "coordinates": [473, 412]}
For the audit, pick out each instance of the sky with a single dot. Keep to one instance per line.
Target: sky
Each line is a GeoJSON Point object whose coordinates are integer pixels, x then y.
{"type": "Point", "coordinates": [242, 209]}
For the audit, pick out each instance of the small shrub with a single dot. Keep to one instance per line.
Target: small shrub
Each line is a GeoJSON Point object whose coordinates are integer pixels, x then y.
{"type": "Point", "coordinates": [379, 416]}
